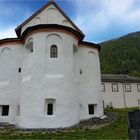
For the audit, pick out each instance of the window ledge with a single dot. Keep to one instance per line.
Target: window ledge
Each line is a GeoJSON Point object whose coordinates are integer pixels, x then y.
{"type": "Point", "coordinates": [49, 116]}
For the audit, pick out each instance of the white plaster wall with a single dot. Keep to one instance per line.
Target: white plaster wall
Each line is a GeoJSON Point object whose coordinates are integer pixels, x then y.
{"type": "Point", "coordinates": [133, 96]}
{"type": "Point", "coordinates": [46, 77]}
{"type": "Point", "coordinates": [43, 77]}
{"type": "Point", "coordinates": [117, 98]}
{"type": "Point", "coordinates": [50, 15]}
{"type": "Point", "coordinates": [90, 82]}
{"type": "Point", "coordinates": [10, 60]}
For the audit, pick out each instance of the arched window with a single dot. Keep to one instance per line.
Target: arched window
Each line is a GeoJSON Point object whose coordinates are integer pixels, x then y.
{"type": "Point", "coordinates": [29, 45]}
{"type": "Point", "coordinates": [53, 51]}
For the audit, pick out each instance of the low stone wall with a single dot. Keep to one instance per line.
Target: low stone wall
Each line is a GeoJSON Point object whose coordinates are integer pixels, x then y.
{"type": "Point", "coordinates": [97, 122]}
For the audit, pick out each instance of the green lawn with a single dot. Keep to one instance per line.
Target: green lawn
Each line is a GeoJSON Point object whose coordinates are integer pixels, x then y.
{"type": "Point", "coordinates": [115, 130]}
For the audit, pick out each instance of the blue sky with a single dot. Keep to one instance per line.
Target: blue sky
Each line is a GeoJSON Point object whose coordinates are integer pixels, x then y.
{"type": "Point", "coordinates": [100, 20]}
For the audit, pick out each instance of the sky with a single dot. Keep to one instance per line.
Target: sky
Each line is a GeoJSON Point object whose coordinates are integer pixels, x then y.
{"type": "Point", "coordinates": [100, 20]}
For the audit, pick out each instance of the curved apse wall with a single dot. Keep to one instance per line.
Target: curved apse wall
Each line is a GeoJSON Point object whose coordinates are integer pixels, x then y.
{"type": "Point", "coordinates": [5, 63]}
{"type": "Point", "coordinates": [54, 65]}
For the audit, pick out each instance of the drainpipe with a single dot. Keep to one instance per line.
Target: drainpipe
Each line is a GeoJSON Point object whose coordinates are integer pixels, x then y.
{"type": "Point", "coordinates": [124, 97]}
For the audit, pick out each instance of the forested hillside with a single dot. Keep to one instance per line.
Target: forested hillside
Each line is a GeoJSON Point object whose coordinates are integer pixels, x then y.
{"type": "Point", "coordinates": [121, 54]}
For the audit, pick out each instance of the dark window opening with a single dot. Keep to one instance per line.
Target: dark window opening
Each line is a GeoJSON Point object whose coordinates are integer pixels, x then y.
{"type": "Point", "coordinates": [19, 70]}
{"type": "Point", "coordinates": [80, 71]}
{"type": "Point", "coordinates": [53, 51]}
{"type": "Point", "coordinates": [50, 109]}
{"type": "Point", "coordinates": [91, 109]}
{"type": "Point", "coordinates": [5, 110]}
{"type": "Point", "coordinates": [31, 50]}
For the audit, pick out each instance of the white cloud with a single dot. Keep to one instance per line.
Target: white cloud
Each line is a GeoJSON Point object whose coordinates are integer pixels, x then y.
{"type": "Point", "coordinates": [95, 16]}
{"type": "Point", "coordinates": [117, 8]}
{"type": "Point", "coordinates": [8, 33]}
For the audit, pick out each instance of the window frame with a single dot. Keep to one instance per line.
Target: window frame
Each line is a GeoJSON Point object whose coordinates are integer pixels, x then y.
{"type": "Point", "coordinates": [53, 51]}
{"type": "Point", "coordinates": [138, 89]}
{"type": "Point", "coordinates": [113, 84]}
{"type": "Point", "coordinates": [5, 113]}
{"type": "Point", "coordinates": [103, 87]}
{"type": "Point", "coordinates": [126, 88]}
{"type": "Point", "coordinates": [91, 109]}
{"type": "Point", "coordinates": [49, 101]}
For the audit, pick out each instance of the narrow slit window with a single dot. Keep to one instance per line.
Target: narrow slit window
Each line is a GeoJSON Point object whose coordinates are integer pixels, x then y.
{"type": "Point", "coordinates": [49, 106]}
{"type": "Point", "coordinates": [19, 70]}
{"type": "Point", "coordinates": [53, 51]}
{"type": "Point", "coordinates": [81, 71]}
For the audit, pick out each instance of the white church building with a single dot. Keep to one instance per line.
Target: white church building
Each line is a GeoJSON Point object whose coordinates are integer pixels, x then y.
{"type": "Point", "coordinates": [49, 76]}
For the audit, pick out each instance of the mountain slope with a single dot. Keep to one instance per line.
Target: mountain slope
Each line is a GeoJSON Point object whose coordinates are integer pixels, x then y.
{"type": "Point", "coordinates": [121, 54]}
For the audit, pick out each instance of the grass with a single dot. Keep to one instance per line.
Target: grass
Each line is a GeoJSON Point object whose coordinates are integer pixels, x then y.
{"type": "Point", "coordinates": [115, 130]}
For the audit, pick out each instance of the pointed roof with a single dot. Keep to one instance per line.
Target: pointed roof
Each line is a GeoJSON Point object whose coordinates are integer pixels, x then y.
{"type": "Point", "coordinates": [18, 29]}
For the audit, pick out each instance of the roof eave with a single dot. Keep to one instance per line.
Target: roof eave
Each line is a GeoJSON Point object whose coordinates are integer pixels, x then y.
{"type": "Point", "coordinates": [91, 44]}
{"type": "Point", "coordinates": [52, 26]}
{"type": "Point", "coordinates": [8, 40]}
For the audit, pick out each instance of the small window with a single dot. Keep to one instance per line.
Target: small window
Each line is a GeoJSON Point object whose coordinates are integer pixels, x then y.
{"type": "Point", "coordinates": [115, 87]}
{"type": "Point", "coordinates": [53, 51]}
{"type": "Point", "coordinates": [127, 88]}
{"type": "Point", "coordinates": [91, 109]}
{"type": "Point", "coordinates": [4, 109]}
{"type": "Point", "coordinates": [138, 87]}
{"type": "Point", "coordinates": [103, 87]}
{"type": "Point", "coordinates": [19, 70]}
{"type": "Point", "coordinates": [49, 109]}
